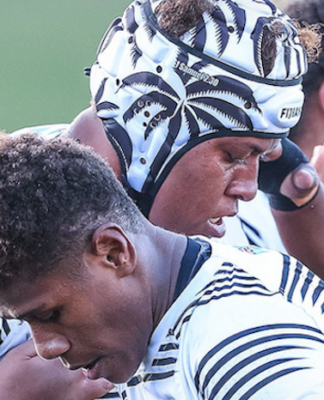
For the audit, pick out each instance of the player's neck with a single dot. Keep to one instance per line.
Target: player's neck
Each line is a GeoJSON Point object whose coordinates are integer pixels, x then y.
{"type": "Point", "coordinates": [161, 252]}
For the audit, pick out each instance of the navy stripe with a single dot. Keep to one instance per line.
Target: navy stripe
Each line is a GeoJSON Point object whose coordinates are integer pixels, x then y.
{"type": "Point", "coordinates": [114, 395]}
{"type": "Point", "coordinates": [249, 226]}
{"type": "Point", "coordinates": [235, 352]}
{"type": "Point", "coordinates": [4, 329]}
{"type": "Point", "coordinates": [200, 302]}
{"type": "Point", "coordinates": [227, 264]}
{"type": "Point", "coordinates": [250, 331]}
{"type": "Point", "coordinates": [298, 270]}
{"type": "Point", "coordinates": [235, 292]}
{"type": "Point", "coordinates": [285, 273]}
{"type": "Point", "coordinates": [164, 361]}
{"type": "Point", "coordinates": [256, 372]}
{"type": "Point", "coordinates": [242, 363]}
{"type": "Point", "coordinates": [158, 377]}
{"type": "Point", "coordinates": [229, 271]}
{"type": "Point", "coordinates": [235, 284]}
{"type": "Point", "coordinates": [268, 380]}
{"type": "Point", "coordinates": [5, 326]}
{"type": "Point", "coordinates": [230, 278]}
{"type": "Point", "coordinates": [169, 346]}
{"type": "Point", "coordinates": [134, 381]}
{"type": "Point", "coordinates": [308, 281]}
{"type": "Point", "coordinates": [197, 252]}
{"type": "Point", "coordinates": [318, 291]}
{"type": "Point", "coordinates": [298, 59]}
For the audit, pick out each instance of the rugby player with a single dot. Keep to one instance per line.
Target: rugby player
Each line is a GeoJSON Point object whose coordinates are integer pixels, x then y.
{"type": "Point", "coordinates": [159, 314]}
{"type": "Point", "coordinates": [202, 209]}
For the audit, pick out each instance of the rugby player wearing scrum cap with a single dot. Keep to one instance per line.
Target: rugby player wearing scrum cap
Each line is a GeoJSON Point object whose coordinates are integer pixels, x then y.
{"type": "Point", "coordinates": [200, 109]}
{"type": "Point", "coordinates": [191, 96]}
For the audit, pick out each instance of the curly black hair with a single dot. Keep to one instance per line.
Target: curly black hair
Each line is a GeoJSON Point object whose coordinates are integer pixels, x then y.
{"type": "Point", "coordinates": [310, 16]}
{"type": "Point", "coordinates": [53, 195]}
{"type": "Point", "coordinates": [177, 17]}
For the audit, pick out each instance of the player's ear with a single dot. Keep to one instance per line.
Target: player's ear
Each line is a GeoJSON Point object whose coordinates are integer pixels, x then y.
{"type": "Point", "coordinates": [115, 249]}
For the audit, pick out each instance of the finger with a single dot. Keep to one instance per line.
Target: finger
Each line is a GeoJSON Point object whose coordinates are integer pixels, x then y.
{"type": "Point", "coordinates": [25, 350]}
{"type": "Point", "coordinates": [304, 179]}
{"type": "Point", "coordinates": [94, 389]}
{"type": "Point", "coordinates": [317, 160]}
{"type": "Point", "coordinates": [301, 185]}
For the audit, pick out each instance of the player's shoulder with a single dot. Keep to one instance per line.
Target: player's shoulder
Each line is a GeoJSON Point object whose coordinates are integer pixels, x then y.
{"type": "Point", "coordinates": [247, 272]}
{"type": "Point", "coordinates": [47, 132]}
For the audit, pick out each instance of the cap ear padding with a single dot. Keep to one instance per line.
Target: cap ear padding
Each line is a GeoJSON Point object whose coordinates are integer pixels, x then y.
{"type": "Point", "coordinates": [164, 94]}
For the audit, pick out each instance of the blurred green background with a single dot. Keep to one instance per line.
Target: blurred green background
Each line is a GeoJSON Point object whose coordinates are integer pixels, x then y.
{"type": "Point", "coordinates": [44, 47]}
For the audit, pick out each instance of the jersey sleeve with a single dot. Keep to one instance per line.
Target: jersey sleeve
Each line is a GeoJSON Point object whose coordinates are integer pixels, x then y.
{"type": "Point", "coordinates": [12, 334]}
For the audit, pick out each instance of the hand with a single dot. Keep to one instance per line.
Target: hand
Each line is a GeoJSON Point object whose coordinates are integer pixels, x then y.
{"type": "Point", "coordinates": [289, 180]}
{"type": "Point", "coordinates": [25, 376]}
{"type": "Point", "coordinates": [317, 161]}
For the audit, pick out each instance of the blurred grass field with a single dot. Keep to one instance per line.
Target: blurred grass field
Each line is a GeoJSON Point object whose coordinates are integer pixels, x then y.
{"type": "Point", "coordinates": [44, 46]}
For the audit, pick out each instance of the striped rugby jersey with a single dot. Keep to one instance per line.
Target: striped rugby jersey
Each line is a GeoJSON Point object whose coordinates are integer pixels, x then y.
{"type": "Point", "coordinates": [249, 325]}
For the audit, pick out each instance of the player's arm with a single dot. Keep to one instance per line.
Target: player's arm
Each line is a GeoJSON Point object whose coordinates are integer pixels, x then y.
{"type": "Point", "coordinates": [296, 198]}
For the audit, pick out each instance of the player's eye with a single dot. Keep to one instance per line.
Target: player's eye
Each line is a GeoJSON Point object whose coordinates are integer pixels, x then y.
{"type": "Point", "coordinates": [236, 159]}
{"type": "Point", "coordinates": [48, 316]}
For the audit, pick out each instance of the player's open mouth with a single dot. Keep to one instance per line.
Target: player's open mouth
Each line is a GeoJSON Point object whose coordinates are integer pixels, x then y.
{"type": "Point", "coordinates": [215, 221]}
{"type": "Point", "coordinates": [92, 369]}
{"type": "Point", "coordinates": [215, 227]}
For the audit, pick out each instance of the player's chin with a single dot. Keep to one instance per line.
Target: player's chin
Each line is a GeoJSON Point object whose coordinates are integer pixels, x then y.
{"type": "Point", "coordinates": [116, 371]}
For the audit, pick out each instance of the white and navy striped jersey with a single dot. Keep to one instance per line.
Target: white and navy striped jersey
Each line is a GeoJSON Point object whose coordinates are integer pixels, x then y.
{"type": "Point", "coordinates": [248, 325]}
{"type": "Point", "coordinates": [12, 333]}
{"type": "Point", "coordinates": [258, 224]}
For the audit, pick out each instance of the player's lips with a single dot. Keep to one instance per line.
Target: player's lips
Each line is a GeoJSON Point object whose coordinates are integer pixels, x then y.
{"type": "Point", "coordinates": [216, 226]}
{"type": "Point", "coordinates": [84, 367]}
{"type": "Point", "coordinates": [215, 221]}
{"type": "Point", "coordinates": [92, 370]}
